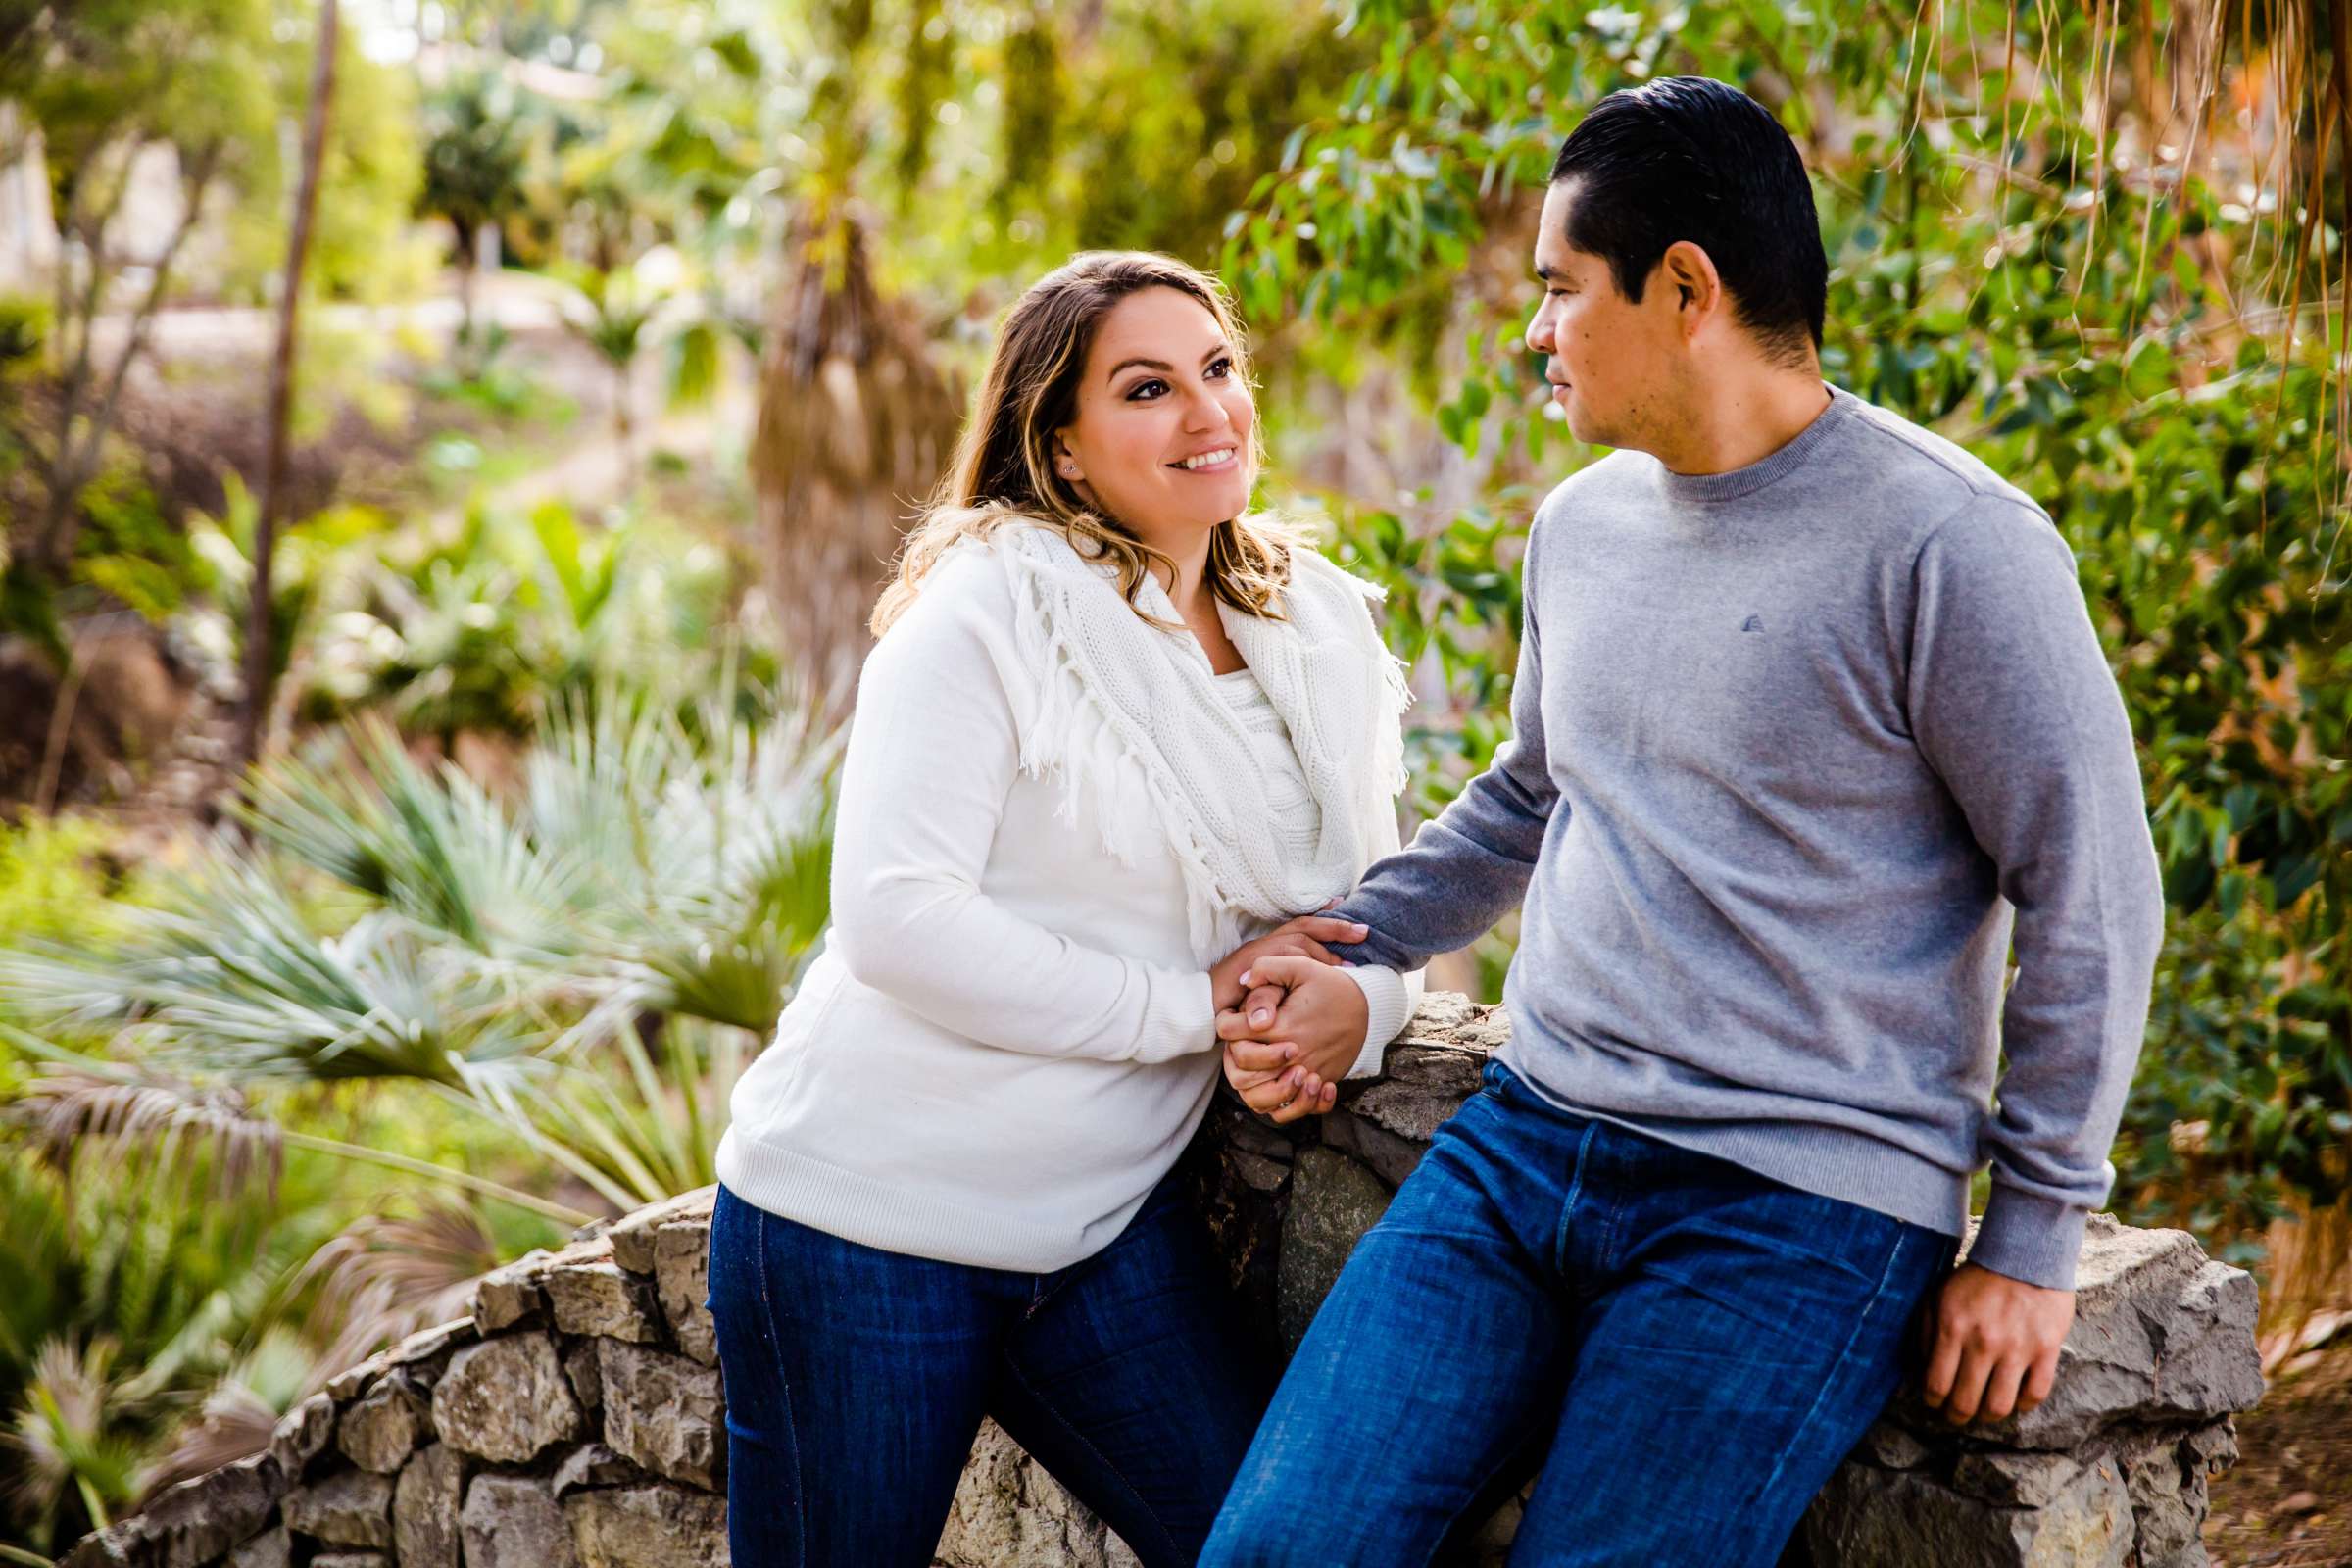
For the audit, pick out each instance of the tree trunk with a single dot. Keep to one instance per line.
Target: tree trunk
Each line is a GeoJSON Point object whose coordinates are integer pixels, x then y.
{"type": "Point", "coordinates": [856, 426]}
{"type": "Point", "coordinates": [260, 633]}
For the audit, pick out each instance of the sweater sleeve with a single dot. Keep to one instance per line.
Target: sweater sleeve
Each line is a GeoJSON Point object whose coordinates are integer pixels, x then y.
{"type": "Point", "coordinates": [933, 754]}
{"type": "Point", "coordinates": [1468, 867]}
{"type": "Point", "coordinates": [2012, 703]}
{"type": "Point", "coordinates": [1390, 996]}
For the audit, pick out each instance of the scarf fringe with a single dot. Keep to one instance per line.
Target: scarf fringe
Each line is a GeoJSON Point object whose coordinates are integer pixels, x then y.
{"type": "Point", "coordinates": [1078, 731]}
{"type": "Point", "coordinates": [1055, 739]}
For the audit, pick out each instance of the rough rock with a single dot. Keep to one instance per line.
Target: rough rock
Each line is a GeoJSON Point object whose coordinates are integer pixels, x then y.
{"type": "Point", "coordinates": [592, 1464]}
{"type": "Point", "coordinates": [347, 1385]}
{"type": "Point", "coordinates": [1889, 1446]}
{"type": "Point", "coordinates": [1009, 1513]}
{"type": "Point", "coordinates": [505, 1399]}
{"type": "Point", "coordinates": [1871, 1518]}
{"type": "Point", "coordinates": [634, 1236]}
{"type": "Point", "coordinates": [191, 1523]}
{"type": "Point", "coordinates": [423, 1354]}
{"type": "Point", "coordinates": [2161, 1334]}
{"type": "Point", "coordinates": [351, 1508]}
{"type": "Point", "coordinates": [1257, 1173]}
{"type": "Point", "coordinates": [1391, 1156]}
{"type": "Point", "coordinates": [598, 1298]}
{"type": "Point", "coordinates": [648, 1527]}
{"type": "Point", "coordinates": [505, 1296]}
{"type": "Point", "coordinates": [513, 1522]}
{"type": "Point", "coordinates": [381, 1429]}
{"type": "Point", "coordinates": [351, 1559]}
{"type": "Point", "coordinates": [1334, 1201]}
{"type": "Point", "coordinates": [2016, 1480]}
{"type": "Point", "coordinates": [664, 1412]}
{"type": "Point", "coordinates": [1243, 1130]}
{"type": "Point", "coordinates": [302, 1435]}
{"type": "Point", "coordinates": [682, 1276]}
{"type": "Point", "coordinates": [424, 1508]}
{"type": "Point", "coordinates": [580, 1370]}
{"type": "Point", "coordinates": [271, 1549]}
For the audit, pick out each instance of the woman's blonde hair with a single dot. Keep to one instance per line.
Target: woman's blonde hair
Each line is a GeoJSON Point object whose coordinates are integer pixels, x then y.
{"type": "Point", "coordinates": [1003, 468]}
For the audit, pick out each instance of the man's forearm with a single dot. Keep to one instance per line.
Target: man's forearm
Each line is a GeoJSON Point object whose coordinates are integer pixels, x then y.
{"type": "Point", "coordinates": [1464, 872]}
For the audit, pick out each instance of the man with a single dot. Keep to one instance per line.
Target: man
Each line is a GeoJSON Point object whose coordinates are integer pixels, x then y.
{"type": "Point", "coordinates": [1807, 708]}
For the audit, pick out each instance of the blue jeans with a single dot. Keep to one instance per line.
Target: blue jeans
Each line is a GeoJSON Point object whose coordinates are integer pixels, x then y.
{"type": "Point", "coordinates": [1686, 1349]}
{"type": "Point", "coordinates": [857, 1379]}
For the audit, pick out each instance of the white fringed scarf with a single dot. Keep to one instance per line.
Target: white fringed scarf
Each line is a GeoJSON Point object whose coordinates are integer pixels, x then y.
{"type": "Point", "coordinates": [1113, 689]}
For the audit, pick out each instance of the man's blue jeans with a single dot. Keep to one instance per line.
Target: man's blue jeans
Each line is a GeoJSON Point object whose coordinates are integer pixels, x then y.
{"type": "Point", "coordinates": [857, 1379]}
{"type": "Point", "coordinates": [1687, 1349]}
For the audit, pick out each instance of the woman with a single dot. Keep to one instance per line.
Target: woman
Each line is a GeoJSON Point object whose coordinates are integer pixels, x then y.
{"type": "Point", "coordinates": [1117, 733]}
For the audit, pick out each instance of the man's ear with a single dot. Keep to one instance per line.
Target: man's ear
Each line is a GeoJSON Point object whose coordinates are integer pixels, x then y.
{"type": "Point", "coordinates": [1690, 274]}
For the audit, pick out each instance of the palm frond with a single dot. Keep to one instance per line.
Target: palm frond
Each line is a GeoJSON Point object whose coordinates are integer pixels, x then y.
{"type": "Point", "coordinates": [74, 1111]}
{"type": "Point", "coordinates": [386, 1276]}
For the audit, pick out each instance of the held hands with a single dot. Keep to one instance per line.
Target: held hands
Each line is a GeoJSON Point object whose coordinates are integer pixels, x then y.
{"type": "Point", "coordinates": [1303, 1029]}
{"type": "Point", "coordinates": [1993, 1344]}
{"type": "Point", "coordinates": [1301, 939]}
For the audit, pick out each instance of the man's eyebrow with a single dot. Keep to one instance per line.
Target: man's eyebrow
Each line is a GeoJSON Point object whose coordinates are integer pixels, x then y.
{"type": "Point", "coordinates": [1214, 349]}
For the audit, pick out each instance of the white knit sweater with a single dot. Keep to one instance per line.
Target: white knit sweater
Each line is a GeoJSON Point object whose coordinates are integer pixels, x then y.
{"type": "Point", "coordinates": [1010, 1037]}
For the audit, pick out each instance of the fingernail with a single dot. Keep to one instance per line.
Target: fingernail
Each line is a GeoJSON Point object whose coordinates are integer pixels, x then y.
{"type": "Point", "coordinates": [1290, 1052]}
{"type": "Point", "coordinates": [1260, 1016]}
{"type": "Point", "coordinates": [1244, 977]}
{"type": "Point", "coordinates": [1361, 930]}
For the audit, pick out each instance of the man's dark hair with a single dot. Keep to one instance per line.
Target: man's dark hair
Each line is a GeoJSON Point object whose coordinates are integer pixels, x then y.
{"type": "Point", "coordinates": [1685, 158]}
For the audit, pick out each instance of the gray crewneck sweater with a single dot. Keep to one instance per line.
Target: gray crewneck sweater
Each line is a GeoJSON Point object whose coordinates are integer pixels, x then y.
{"type": "Point", "coordinates": [1798, 750]}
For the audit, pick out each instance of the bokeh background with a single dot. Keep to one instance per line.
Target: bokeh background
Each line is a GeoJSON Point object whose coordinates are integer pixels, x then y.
{"type": "Point", "coordinates": [448, 450]}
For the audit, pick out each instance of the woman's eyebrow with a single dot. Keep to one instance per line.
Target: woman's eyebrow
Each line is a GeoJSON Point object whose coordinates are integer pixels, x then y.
{"type": "Point", "coordinates": [1213, 350]}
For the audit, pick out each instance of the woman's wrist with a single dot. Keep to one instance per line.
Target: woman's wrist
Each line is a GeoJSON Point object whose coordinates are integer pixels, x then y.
{"type": "Point", "coordinates": [1386, 1006]}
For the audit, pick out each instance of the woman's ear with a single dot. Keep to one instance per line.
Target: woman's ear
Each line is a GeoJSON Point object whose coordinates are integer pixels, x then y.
{"type": "Point", "coordinates": [1066, 461]}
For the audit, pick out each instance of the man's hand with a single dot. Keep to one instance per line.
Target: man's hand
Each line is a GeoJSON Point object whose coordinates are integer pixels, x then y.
{"type": "Point", "coordinates": [1993, 1344]}
{"type": "Point", "coordinates": [1289, 1065]}
{"type": "Point", "coordinates": [1302, 938]}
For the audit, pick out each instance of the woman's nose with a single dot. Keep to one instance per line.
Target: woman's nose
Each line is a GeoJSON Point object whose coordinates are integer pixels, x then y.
{"type": "Point", "coordinates": [1206, 411]}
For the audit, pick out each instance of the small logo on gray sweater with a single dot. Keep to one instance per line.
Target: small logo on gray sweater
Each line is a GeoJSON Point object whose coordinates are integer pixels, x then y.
{"type": "Point", "coordinates": [1752, 623]}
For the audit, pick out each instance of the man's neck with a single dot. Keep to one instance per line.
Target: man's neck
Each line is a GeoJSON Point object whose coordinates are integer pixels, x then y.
{"type": "Point", "coordinates": [1742, 416]}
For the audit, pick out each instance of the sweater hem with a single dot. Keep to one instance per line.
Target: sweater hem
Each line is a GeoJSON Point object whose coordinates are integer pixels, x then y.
{"type": "Point", "coordinates": [1852, 1168]}
{"type": "Point", "coordinates": [872, 1213]}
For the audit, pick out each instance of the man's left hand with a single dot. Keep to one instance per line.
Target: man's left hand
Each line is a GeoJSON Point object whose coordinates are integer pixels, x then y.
{"type": "Point", "coordinates": [1993, 1344]}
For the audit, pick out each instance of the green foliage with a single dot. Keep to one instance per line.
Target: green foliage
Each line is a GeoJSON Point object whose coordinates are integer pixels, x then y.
{"type": "Point", "coordinates": [476, 142]}
{"type": "Point", "coordinates": [62, 880]}
{"type": "Point", "coordinates": [1994, 274]}
{"type": "Point", "coordinates": [137, 1294]}
{"type": "Point", "coordinates": [586, 965]}
{"type": "Point", "coordinates": [486, 629]}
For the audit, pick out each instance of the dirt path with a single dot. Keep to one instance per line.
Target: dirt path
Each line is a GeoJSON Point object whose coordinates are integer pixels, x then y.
{"type": "Point", "coordinates": [2288, 1502]}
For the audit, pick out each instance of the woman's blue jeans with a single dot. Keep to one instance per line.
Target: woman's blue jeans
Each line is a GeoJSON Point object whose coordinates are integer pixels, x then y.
{"type": "Point", "coordinates": [857, 1379]}
{"type": "Point", "coordinates": [1687, 1350]}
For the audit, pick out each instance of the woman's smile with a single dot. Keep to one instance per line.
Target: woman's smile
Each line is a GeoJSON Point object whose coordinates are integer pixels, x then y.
{"type": "Point", "coordinates": [1216, 459]}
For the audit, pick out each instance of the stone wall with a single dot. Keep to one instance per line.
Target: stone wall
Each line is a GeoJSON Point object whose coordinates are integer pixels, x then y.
{"type": "Point", "coordinates": [575, 1419]}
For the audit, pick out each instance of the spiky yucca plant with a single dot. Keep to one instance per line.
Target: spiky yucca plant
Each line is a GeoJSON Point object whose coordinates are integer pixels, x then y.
{"type": "Point", "coordinates": [587, 964]}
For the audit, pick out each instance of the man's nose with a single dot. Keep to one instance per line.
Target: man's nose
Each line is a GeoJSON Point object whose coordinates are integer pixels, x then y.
{"type": "Point", "coordinates": [1538, 331]}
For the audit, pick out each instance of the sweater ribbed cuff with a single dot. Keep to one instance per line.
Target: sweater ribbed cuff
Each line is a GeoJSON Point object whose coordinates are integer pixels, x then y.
{"type": "Point", "coordinates": [2028, 1237]}
{"type": "Point", "coordinates": [1180, 1017]}
{"type": "Point", "coordinates": [1387, 1007]}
